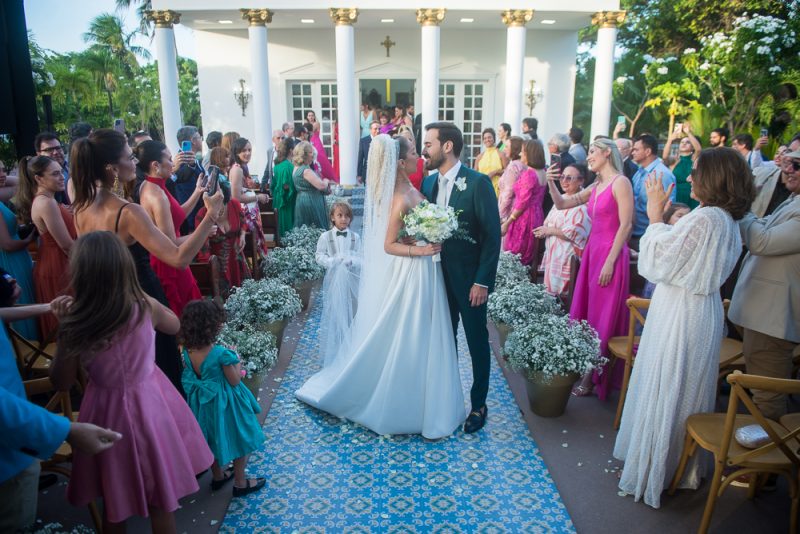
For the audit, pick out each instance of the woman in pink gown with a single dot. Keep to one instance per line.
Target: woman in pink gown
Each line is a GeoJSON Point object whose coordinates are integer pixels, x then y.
{"type": "Point", "coordinates": [601, 287]}
{"type": "Point", "coordinates": [326, 169]}
{"type": "Point", "coordinates": [505, 200]}
{"type": "Point", "coordinates": [526, 211]}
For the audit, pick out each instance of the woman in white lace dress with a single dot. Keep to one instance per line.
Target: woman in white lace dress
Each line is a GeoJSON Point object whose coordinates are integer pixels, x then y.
{"type": "Point", "coordinates": [677, 362]}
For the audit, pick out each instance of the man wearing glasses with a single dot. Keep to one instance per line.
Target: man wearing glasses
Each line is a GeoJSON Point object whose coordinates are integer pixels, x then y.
{"type": "Point", "coordinates": [48, 144]}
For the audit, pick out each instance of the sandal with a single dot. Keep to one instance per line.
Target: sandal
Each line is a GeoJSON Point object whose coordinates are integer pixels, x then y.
{"type": "Point", "coordinates": [250, 488]}
{"type": "Point", "coordinates": [227, 476]}
{"type": "Point", "coordinates": [582, 391]}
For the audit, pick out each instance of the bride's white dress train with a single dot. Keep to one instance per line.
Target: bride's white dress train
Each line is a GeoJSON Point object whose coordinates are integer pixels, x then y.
{"type": "Point", "coordinates": [398, 375]}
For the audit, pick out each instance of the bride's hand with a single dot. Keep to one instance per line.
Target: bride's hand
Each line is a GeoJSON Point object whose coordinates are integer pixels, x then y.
{"type": "Point", "coordinates": [429, 250]}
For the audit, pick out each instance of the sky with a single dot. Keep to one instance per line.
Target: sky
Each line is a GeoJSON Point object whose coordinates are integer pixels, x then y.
{"type": "Point", "coordinates": [58, 25]}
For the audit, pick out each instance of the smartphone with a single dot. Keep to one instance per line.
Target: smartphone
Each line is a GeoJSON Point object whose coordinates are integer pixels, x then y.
{"type": "Point", "coordinates": [620, 119]}
{"type": "Point", "coordinates": [213, 179]}
{"type": "Point", "coordinates": [186, 146]}
{"type": "Point", "coordinates": [678, 126]}
{"type": "Point", "coordinates": [764, 132]}
{"type": "Point", "coordinates": [555, 159]}
{"type": "Point", "coordinates": [119, 125]}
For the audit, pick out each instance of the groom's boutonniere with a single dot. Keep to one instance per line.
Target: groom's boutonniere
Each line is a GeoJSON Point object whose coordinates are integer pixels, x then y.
{"type": "Point", "coordinates": [461, 183]}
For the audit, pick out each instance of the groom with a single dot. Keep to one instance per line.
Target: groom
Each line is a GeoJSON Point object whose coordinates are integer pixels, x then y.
{"type": "Point", "coordinates": [469, 268]}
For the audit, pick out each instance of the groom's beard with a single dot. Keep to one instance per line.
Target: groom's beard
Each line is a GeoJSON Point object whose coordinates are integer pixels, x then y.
{"type": "Point", "coordinates": [434, 162]}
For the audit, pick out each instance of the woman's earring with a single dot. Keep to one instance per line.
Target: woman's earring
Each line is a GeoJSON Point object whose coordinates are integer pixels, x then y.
{"type": "Point", "coordinates": [115, 187]}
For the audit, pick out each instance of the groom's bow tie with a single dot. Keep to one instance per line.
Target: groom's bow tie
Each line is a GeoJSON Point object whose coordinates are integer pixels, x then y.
{"type": "Point", "coordinates": [342, 234]}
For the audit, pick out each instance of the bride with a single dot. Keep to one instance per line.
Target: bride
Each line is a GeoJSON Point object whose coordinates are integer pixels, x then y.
{"type": "Point", "coordinates": [397, 373]}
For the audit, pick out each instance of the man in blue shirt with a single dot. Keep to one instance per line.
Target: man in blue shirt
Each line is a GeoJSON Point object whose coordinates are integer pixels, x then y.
{"type": "Point", "coordinates": [643, 153]}
{"type": "Point", "coordinates": [28, 431]}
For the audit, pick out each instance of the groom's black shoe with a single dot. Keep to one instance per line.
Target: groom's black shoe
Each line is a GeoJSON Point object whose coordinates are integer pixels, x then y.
{"type": "Point", "coordinates": [475, 420]}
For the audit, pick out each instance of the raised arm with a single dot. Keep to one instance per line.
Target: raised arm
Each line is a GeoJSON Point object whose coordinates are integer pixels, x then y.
{"type": "Point", "coordinates": [777, 240]}
{"type": "Point", "coordinates": [560, 201]}
{"type": "Point", "coordinates": [191, 202]}
{"type": "Point", "coordinates": [687, 128]}
{"type": "Point", "coordinates": [668, 145]}
{"type": "Point", "coordinates": [9, 244]}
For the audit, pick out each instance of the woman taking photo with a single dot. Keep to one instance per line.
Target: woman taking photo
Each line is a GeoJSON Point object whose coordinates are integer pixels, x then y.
{"type": "Point", "coordinates": [155, 161]}
{"type": "Point", "coordinates": [565, 231]}
{"type": "Point", "coordinates": [527, 212]}
{"type": "Point", "coordinates": [311, 189]}
{"type": "Point", "coordinates": [491, 161]}
{"type": "Point", "coordinates": [96, 163]}
{"type": "Point", "coordinates": [601, 287]}
{"type": "Point", "coordinates": [677, 363]}
{"type": "Point", "coordinates": [40, 178]}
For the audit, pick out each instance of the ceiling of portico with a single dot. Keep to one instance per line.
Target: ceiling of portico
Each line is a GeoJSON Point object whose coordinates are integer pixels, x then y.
{"type": "Point", "coordinates": [208, 19]}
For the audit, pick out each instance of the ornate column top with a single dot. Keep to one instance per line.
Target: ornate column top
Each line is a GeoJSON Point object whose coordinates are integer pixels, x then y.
{"type": "Point", "coordinates": [257, 17]}
{"type": "Point", "coordinates": [344, 16]}
{"type": "Point", "coordinates": [163, 18]}
{"type": "Point", "coordinates": [430, 17]}
{"type": "Point", "coordinates": [516, 17]}
{"type": "Point", "coordinates": [608, 19]}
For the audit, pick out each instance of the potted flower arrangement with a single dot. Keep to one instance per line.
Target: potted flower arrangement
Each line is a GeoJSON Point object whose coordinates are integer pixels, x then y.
{"type": "Point", "coordinates": [265, 304]}
{"type": "Point", "coordinates": [510, 270]}
{"type": "Point", "coordinates": [295, 266]}
{"type": "Point", "coordinates": [552, 352]}
{"type": "Point", "coordinates": [257, 350]}
{"type": "Point", "coordinates": [304, 236]}
{"type": "Point", "coordinates": [518, 303]}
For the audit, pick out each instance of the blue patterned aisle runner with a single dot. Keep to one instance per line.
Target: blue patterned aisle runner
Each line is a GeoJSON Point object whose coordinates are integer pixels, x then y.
{"type": "Point", "coordinates": [327, 475]}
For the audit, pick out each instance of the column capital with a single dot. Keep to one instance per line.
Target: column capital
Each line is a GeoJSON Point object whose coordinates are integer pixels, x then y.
{"type": "Point", "coordinates": [516, 17]}
{"type": "Point", "coordinates": [430, 17]}
{"type": "Point", "coordinates": [163, 18]}
{"type": "Point", "coordinates": [344, 16]}
{"type": "Point", "coordinates": [608, 19]}
{"type": "Point", "coordinates": [257, 17]}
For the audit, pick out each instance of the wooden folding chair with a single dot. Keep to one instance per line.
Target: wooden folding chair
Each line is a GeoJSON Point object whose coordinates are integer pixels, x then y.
{"type": "Point", "coordinates": [33, 357]}
{"type": "Point", "coordinates": [714, 432]}
{"type": "Point", "coordinates": [269, 224]}
{"type": "Point", "coordinates": [624, 348]}
{"type": "Point", "coordinates": [251, 254]}
{"type": "Point", "coordinates": [566, 298]}
{"type": "Point", "coordinates": [61, 461]}
{"type": "Point", "coordinates": [209, 278]}
{"type": "Point", "coordinates": [731, 355]}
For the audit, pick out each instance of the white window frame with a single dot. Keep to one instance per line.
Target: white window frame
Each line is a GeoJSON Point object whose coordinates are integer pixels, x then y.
{"type": "Point", "coordinates": [325, 115]}
{"type": "Point", "coordinates": [459, 110]}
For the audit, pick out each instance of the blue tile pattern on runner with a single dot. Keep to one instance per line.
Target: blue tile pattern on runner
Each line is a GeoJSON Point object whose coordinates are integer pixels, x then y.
{"type": "Point", "coordinates": [328, 475]}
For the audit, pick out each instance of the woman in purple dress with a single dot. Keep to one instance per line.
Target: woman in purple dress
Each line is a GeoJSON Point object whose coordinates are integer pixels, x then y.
{"type": "Point", "coordinates": [526, 213]}
{"type": "Point", "coordinates": [602, 284]}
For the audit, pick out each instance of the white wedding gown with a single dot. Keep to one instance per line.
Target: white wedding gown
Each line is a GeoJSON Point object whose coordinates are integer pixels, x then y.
{"type": "Point", "coordinates": [402, 377]}
{"type": "Point", "coordinates": [397, 370]}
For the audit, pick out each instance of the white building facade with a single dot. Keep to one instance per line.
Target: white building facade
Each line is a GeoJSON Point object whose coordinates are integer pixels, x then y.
{"type": "Point", "coordinates": [461, 61]}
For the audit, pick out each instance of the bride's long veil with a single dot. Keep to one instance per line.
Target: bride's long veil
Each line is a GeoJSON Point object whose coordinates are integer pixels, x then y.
{"type": "Point", "coordinates": [375, 262]}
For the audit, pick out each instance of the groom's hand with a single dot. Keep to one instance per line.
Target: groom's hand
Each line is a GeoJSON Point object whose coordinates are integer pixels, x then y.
{"type": "Point", "coordinates": [478, 295]}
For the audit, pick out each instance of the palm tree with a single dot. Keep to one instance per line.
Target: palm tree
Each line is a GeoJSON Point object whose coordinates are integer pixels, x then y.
{"type": "Point", "coordinates": [74, 88]}
{"type": "Point", "coordinates": [105, 69]}
{"type": "Point", "coordinates": [106, 31]}
{"type": "Point", "coordinates": [144, 5]}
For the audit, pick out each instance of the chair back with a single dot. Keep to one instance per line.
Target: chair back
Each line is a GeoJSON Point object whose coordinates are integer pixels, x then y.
{"type": "Point", "coordinates": [636, 307]}
{"type": "Point", "coordinates": [59, 401]}
{"type": "Point", "coordinates": [27, 352]}
{"type": "Point", "coordinates": [786, 443]}
{"type": "Point", "coordinates": [209, 278]}
{"type": "Point", "coordinates": [574, 267]}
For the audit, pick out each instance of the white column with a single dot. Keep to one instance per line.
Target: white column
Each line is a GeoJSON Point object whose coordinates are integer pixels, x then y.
{"type": "Point", "coordinates": [604, 70]}
{"type": "Point", "coordinates": [259, 71]}
{"type": "Point", "coordinates": [166, 58]}
{"type": "Point", "coordinates": [429, 93]}
{"type": "Point", "coordinates": [349, 129]}
{"type": "Point", "coordinates": [516, 32]}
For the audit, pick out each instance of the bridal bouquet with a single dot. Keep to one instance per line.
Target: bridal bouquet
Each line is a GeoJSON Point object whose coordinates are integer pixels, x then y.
{"type": "Point", "coordinates": [432, 223]}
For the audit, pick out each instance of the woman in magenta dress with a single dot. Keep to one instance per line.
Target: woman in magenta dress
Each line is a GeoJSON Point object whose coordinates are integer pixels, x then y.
{"type": "Point", "coordinates": [505, 200]}
{"type": "Point", "coordinates": [326, 169]}
{"type": "Point", "coordinates": [601, 287]}
{"type": "Point", "coordinates": [109, 330]}
{"type": "Point", "coordinates": [40, 178]}
{"type": "Point", "coordinates": [526, 213]}
{"type": "Point", "coordinates": [167, 214]}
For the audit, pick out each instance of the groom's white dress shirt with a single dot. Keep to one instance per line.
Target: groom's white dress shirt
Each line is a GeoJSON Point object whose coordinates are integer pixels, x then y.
{"type": "Point", "coordinates": [446, 182]}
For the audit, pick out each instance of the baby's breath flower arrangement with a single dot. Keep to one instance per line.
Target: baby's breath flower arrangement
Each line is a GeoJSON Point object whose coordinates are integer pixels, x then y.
{"type": "Point", "coordinates": [520, 303]}
{"type": "Point", "coordinates": [554, 345]}
{"type": "Point", "coordinates": [305, 237]}
{"type": "Point", "coordinates": [432, 223]}
{"type": "Point", "coordinates": [510, 270]}
{"type": "Point", "coordinates": [293, 264]}
{"type": "Point", "coordinates": [257, 349]}
{"type": "Point", "coordinates": [260, 302]}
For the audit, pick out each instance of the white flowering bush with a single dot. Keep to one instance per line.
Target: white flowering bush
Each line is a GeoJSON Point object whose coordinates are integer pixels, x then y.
{"type": "Point", "coordinates": [510, 270]}
{"type": "Point", "coordinates": [257, 349]}
{"type": "Point", "coordinates": [305, 237]}
{"type": "Point", "coordinates": [260, 302]}
{"type": "Point", "coordinates": [553, 345]}
{"type": "Point", "coordinates": [292, 265]}
{"type": "Point", "coordinates": [522, 302]}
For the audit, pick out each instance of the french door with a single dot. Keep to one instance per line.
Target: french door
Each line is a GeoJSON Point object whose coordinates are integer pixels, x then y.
{"type": "Point", "coordinates": [320, 97]}
{"type": "Point", "coordinates": [463, 103]}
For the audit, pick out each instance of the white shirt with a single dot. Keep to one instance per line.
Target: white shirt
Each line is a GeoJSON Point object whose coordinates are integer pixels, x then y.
{"type": "Point", "coordinates": [344, 246]}
{"type": "Point", "coordinates": [446, 182]}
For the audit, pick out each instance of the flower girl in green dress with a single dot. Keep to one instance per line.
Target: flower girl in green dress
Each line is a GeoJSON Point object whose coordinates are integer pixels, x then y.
{"type": "Point", "coordinates": [223, 406]}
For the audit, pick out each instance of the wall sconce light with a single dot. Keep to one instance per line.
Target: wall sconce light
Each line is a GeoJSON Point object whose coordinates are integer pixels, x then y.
{"type": "Point", "coordinates": [533, 96]}
{"type": "Point", "coordinates": [242, 95]}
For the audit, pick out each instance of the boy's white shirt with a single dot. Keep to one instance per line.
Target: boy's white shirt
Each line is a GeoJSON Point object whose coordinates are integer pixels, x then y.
{"type": "Point", "coordinates": [343, 247]}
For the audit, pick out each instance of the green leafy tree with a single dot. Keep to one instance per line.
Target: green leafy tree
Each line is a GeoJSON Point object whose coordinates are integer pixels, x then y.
{"type": "Point", "coordinates": [107, 32]}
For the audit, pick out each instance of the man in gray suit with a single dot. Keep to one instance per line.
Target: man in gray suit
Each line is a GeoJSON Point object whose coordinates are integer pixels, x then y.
{"type": "Point", "coordinates": [766, 301]}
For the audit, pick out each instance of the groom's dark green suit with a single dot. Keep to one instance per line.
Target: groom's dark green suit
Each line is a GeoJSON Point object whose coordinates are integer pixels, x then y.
{"type": "Point", "coordinates": [465, 264]}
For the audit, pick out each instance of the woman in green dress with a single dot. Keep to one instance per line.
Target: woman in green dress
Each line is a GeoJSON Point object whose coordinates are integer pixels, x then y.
{"type": "Point", "coordinates": [284, 194]}
{"type": "Point", "coordinates": [688, 150]}
{"type": "Point", "coordinates": [309, 207]}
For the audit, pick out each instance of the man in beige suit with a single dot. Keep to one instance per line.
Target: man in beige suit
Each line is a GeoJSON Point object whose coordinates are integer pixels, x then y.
{"type": "Point", "coordinates": [766, 301]}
